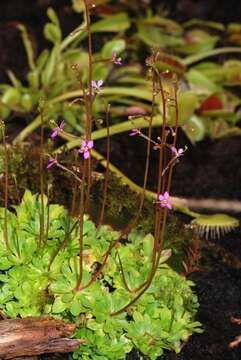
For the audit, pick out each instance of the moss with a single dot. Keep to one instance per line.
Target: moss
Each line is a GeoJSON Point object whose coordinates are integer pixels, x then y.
{"type": "Point", "coordinates": [121, 206]}
{"type": "Point", "coordinates": [24, 174]}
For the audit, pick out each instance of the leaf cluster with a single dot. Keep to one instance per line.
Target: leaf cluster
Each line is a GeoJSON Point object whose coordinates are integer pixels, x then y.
{"type": "Point", "coordinates": [161, 319]}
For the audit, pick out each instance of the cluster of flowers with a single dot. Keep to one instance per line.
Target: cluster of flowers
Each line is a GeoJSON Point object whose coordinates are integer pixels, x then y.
{"type": "Point", "coordinates": [164, 199]}
{"type": "Point", "coordinates": [86, 145]}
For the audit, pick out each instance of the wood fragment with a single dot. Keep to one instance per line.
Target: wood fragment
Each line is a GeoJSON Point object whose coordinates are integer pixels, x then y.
{"type": "Point", "coordinates": [34, 336]}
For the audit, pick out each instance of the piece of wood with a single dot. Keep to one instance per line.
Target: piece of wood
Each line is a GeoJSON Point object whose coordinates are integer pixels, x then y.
{"type": "Point", "coordinates": [34, 336]}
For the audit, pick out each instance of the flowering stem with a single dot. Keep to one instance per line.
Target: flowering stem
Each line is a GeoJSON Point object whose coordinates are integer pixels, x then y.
{"type": "Point", "coordinates": [81, 225]}
{"type": "Point", "coordinates": [101, 217]}
{"type": "Point", "coordinates": [6, 240]}
{"type": "Point", "coordinates": [69, 171]}
{"type": "Point", "coordinates": [134, 221]}
{"type": "Point", "coordinates": [75, 188]}
{"type": "Point", "coordinates": [41, 170]}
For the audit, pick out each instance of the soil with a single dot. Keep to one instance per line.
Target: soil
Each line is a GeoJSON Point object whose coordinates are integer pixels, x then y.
{"type": "Point", "coordinates": [210, 169]}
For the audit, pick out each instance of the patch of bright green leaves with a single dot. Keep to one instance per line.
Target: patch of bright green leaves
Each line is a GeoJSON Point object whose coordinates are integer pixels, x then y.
{"type": "Point", "coordinates": [161, 319]}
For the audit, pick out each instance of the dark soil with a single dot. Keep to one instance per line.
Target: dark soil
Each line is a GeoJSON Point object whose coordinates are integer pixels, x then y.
{"type": "Point", "coordinates": [219, 295]}
{"type": "Point", "coordinates": [210, 169]}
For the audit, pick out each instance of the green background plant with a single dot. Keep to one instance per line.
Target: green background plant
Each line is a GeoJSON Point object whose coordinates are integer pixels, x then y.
{"type": "Point", "coordinates": [54, 75]}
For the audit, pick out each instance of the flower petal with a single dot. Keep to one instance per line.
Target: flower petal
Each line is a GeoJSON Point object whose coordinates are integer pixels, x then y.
{"type": "Point", "coordinates": [52, 161]}
{"type": "Point", "coordinates": [86, 154]}
{"type": "Point", "coordinates": [61, 126]}
{"type": "Point", "coordinates": [166, 195]}
{"type": "Point", "coordinates": [55, 133]}
{"type": "Point", "coordinates": [93, 84]}
{"type": "Point", "coordinates": [90, 144]}
{"type": "Point", "coordinates": [84, 143]}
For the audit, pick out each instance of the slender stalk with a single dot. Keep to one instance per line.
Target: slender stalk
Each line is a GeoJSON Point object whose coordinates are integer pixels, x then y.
{"type": "Point", "coordinates": [16, 188]}
{"type": "Point", "coordinates": [63, 244]}
{"type": "Point", "coordinates": [6, 185]}
{"type": "Point", "coordinates": [160, 180]}
{"type": "Point", "coordinates": [89, 98]}
{"type": "Point", "coordinates": [81, 225]}
{"type": "Point", "coordinates": [47, 220]}
{"type": "Point", "coordinates": [74, 196]}
{"type": "Point", "coordinates": [160, 215]}
{"type": "Point", "coordinates": [98, 273]}
{"type": "Point", "coordinates": [107, 172]}
{"type": "Point", "coordinates": [41, 171]}
{"type": "Point", "coordinates": [87, 164]}
{"type": "Point", "coordinates": [69, 171]}
{"type": "Point", "coordinates": [134, 221]}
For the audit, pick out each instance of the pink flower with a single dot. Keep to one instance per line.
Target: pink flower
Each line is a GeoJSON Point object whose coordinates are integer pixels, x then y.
{"type": "Point", "coordinates": [86, 145]}
{"type": "Point", "coordinates": [52, 161]}
{"type": "Point", "coordinates": [95, 86]}
{"type": "Point", "coordinates": [116, 60]}
{"type": "Point", "coordinates": [177, 153]}
{"type": "Point", "coordinates": [134, 132]}
{"type": "Point", "coordinates": [165, 200]}
{"type": "Point", "coordinates": [57, 130]}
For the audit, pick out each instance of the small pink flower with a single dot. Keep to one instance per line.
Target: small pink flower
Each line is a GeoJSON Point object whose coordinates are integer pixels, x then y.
{"type": "Point", "coordinates": [52, 161]}
{"type": "Point", "coordinates": [177, 153]}
{"type": "Point", "coordinates": [57, 130]}
{"type": "Point", "coordinates": [165, 200]}
{"type": "Point", "coordinates": [135, 132]}
{"type": "Point", "coordinates": [116, 60]}
{"type": "Point", "coordinates": [86, 145]}
{"type": "Point", "coordinates": [95, 86]}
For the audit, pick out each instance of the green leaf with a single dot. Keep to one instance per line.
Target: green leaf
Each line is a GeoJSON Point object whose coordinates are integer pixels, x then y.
{"type": "Point", "coordinates": [4, 111]}
{"type": "Point", "coordinates": [52, 33]}
{"type": "Point", "coordinates": [148, 243]}
{"type": "Point", "coordinates": [113, 46]}
{"type": "Point", "coordinates": [53, 16]}
{"type": "Point", "coordinates": [33, 79]}
{"type": "Point", "coordinates": [112, 23]}
{"type": "Point", "coordinates": [11, 97]}
{"type": "Point", "coordinates": [187, 104]}
{"type": "Point", "coordinates": [50, 67]}
{"type": "Point", "coordinates": [76, 307]}
{"type": "Point", "coordinates": [26, 102]}
{"type": "Point", "coordinates": [166, 316]}
{"type": "Point", "coordinates": [58, 306]}
{"type": "Point", "coordinates": [28, 46]}
{"type": "Point", "coordinates": [194, 129]}
{"type": "Point", "coordinates": [199, 81]}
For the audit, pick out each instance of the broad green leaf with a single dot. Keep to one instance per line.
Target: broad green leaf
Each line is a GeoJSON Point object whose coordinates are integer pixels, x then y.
{"type": "Point", "coordinates": [194, 129]}
{"type": "Point", "coordinates": [187, 104]}
{"type": "Point", "coordinates": [53, 33]}
{"type": "Point", "coordinates": [117, 46]}
{"type": "Point", "coordinates": [50, 67]}
{"type": "Point", "coordinates": [11, 97]}
{"type": "Point", "coordinates": [112, 23]}
{"type": "Point", "coordinates": [201, 83]}
{"type": "Point", "coordinates": [53, 16]}
{"type": "Point", "coordinates": [58, 306]}
{"type": "Point", "coordinates": [28, 46]}
{"type": "Point", "coordinates": [148, 243]}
